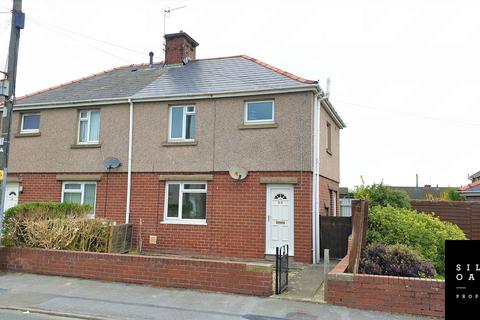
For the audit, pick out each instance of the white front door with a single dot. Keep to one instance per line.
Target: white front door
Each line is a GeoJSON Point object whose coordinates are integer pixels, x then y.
{"type": "Point", "coordinates": [279, 217]}
{"type": "Point", "coordinates": [11, 195]}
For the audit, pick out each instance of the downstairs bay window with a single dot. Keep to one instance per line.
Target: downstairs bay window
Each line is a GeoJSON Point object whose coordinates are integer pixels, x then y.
{"type": "Point", "coordinates": [185, 202]}
{"type": "Point", "coordinates": [80, 192]}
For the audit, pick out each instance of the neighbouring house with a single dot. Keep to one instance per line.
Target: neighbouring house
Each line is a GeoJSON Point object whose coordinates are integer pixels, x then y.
{"type": "Point", "coordinates": [422, 193]}
{"type": "Point", "coordinates": [471, 191]}
{"type": "Point", "coordinates": [227, 157]}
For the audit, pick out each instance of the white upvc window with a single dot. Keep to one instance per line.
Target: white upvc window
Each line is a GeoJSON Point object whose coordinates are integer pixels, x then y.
{"type": "Point", "coordinates": [80, 192]}
{"type": "Point", "coordinates": [185, 202]}
{"type": "Point", "coordinates": [182, 121]}
{"type": "Point", "coordinates": [329, 137]}
{"type": "Point", "coordinates": [30, 123]}
{"type": "Point", "coordinates": [257, 112]}
{"type": "Point", "coordinates": [89, 127]}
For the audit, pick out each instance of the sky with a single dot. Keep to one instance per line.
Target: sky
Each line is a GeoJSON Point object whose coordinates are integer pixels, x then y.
{"type": "Point", "coordinates": [405, 74]}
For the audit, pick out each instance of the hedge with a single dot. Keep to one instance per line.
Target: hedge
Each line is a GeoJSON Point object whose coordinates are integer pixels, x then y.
{"type": "Point", "coordinates": [50, 225]}
{"type": "Point", "coordinates": [422, 232]}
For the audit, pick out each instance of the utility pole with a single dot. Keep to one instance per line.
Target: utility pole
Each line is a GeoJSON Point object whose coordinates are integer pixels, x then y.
{"type": "Point", "coordinates": [18, 23]}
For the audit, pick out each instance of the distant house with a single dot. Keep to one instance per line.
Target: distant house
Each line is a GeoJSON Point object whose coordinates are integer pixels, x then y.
{"type": "Point", "coordinates": [423, 192]}
{"type": "Point", "coordinates": [472, 190]}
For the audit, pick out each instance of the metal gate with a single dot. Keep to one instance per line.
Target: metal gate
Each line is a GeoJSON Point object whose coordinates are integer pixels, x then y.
{"type": "Point", "coordinates": [281, 269]}
{"type": "Point", "coordinates": [334, 232]}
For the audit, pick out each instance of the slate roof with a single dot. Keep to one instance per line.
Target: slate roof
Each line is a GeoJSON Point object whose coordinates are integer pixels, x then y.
{"type": "Point", "coordinates": [475, 176]}
{"type": "Point", "coordinates": [120, 82]}
{"type": "Point", "coordinates": [199, 77]}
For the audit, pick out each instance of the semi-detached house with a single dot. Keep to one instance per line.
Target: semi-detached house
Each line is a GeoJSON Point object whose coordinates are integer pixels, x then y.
{"type": "Point", "coordinates": [178, 128]}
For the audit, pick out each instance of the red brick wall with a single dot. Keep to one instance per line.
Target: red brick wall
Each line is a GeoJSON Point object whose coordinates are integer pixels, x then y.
{"type": "Point", "coordinates": [390, 294]}
{"type": "Point", "coordinates": [174, 50]}
{"type": "Point", "coordinates": [326, 186]}
{"type": "Point", "coordinates": [212, 275]}
{"type": "Point", "coordinates": [235, 212]}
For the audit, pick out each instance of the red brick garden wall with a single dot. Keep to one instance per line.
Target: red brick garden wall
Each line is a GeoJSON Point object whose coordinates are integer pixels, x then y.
{"type": "Point", "coordinates": [202, 274]}
{"type": "Point", "coordinates": [235, 212]}
{"type": "Point", "coordinates": [425, 297]}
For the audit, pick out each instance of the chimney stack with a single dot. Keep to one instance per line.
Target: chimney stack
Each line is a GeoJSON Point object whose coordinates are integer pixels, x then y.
{"type": "Point", "coordinates": [179, 48]}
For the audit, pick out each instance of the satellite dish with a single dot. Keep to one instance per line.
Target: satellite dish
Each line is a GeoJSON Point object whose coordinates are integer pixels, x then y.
{"type": "Point", "coordinates": [111, 163]}
{"type": "Point", "coordinates": [238, 173]}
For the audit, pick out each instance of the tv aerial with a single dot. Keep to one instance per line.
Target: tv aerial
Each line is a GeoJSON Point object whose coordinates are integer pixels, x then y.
{"type": "Point", "coordinates": [166, 12]}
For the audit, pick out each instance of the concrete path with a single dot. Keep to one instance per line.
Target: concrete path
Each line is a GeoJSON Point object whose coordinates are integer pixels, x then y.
{"type": "Point", "coordinates": [306, 284]}
{"type": "Point", "coordinates": [102, 300]}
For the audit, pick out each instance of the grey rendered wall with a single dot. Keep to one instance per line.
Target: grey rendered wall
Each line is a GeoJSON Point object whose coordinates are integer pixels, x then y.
{"type": "Point", "coordinates": [329, 163]}
{"type": "Point", "coordinates": [221, 143]}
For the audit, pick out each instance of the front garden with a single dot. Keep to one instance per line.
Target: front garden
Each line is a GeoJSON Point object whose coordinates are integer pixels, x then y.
{"type": "Point", "coordinates": [402, 241]}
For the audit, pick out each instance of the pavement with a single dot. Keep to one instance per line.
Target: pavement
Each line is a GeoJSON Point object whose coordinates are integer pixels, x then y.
{"type": "Point", "coordinates": [58, 298]}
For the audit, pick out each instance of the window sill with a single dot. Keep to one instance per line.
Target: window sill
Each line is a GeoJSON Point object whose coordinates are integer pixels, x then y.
{"type": "Point", "coordinates": [329, 151]}
{"type": "Point", "coordinates": [27, 134]}
{"type": "Point", "coordinates": [179, 143]}
{"type": "Point", "coordinates": [184, 222]}
{"type": "Point", "coordinates": [86, 146]}
{"type": "Point", "coordinates": [258, 126]}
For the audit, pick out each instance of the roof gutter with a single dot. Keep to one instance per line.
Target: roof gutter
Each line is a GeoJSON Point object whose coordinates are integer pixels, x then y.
{"type": "Point", "coordinates": [96, 102]}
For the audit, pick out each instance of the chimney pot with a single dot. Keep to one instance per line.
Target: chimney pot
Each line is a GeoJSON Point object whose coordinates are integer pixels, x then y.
{"type": "Point", "coordinates": [151, 58]}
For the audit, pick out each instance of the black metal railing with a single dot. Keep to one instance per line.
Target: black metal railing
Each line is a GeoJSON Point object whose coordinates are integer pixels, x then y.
{"type": "Point", "coordinates": [281, 269]}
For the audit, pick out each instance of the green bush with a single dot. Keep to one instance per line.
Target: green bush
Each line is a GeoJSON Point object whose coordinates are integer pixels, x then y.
{"type": "Point", "coordinates": [49, 225]}
{"type": "Point", "coordinates": [424, 233]}
{"type": "Point", "coordinates": [379, 195]}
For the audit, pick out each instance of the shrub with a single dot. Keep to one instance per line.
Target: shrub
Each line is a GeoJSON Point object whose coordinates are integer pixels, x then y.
{"type": "Point", "coordinates": [451, 194]}
{"type": "Point", "coordinates": [395, 260]}
{"type": "Point", "coordinates": [422, 232]}
{"type": "Point", "coordinates": [48, 225]}
{"type": "Point", "coordinates": [379, 195]}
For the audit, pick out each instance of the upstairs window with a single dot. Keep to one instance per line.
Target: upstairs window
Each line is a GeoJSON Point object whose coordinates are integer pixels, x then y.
{"type": "Point", "coordinates": [182, 123]}
{"type": "Point", "coordinates": [89, 127]}
{"type": "Point", "coordinates": [80, 192]}
{"type": "Point", "coordinates": [30, 123]}
{"type": "Point", "coordinates": [259, 112]}
{"type": "Point", "coordinates": [329, 137]}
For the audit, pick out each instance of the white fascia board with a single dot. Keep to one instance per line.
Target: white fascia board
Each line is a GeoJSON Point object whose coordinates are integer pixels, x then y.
{"type": "Point", "coordinates": [329, 108]}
